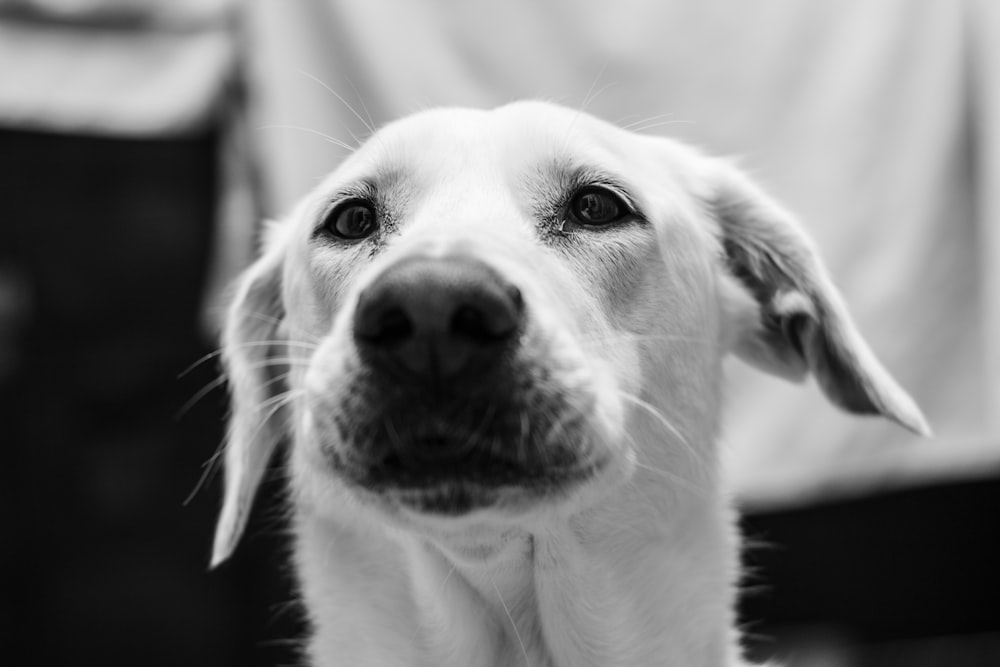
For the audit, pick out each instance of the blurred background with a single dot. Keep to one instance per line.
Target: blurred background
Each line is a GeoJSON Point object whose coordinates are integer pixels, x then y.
{"type": "Point", "coordinates": [142, 141]}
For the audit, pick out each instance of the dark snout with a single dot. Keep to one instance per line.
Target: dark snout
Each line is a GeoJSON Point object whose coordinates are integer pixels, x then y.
{"type": "Point", "coordinates": [438, 321]}
{"type": "Point", "coordinates": [454, 402]}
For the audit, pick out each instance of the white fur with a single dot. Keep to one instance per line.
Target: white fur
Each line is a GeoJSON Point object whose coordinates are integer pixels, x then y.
{"type": "Point", "coordinates": [637, 566]}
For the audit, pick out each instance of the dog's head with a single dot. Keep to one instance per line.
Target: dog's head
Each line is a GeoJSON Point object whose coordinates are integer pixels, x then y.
{"type": "Point", "coordinates": [466, 317]}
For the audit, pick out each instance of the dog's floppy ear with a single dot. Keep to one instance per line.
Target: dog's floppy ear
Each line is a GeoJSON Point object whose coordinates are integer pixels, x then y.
{"type": "Point", "coordinates": [801, 324]}
{"type": "Point", "coordinates": [251, 340]}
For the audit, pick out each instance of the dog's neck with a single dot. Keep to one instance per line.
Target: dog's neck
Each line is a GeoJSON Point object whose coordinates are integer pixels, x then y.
{"type": "Point", "coordinates": [595, 591]}
{"type": "Point", "coordinates": [651, 587]}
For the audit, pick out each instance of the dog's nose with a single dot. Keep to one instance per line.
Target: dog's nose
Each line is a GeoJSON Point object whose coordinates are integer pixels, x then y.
{"type": "Point", "coordinates": [438, 319]}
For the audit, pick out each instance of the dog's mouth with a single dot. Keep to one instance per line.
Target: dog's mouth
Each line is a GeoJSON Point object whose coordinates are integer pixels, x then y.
{"type": "Point", "coordinates": [401, 471]}
{"type": "Point", "coordinates": [439, 476]}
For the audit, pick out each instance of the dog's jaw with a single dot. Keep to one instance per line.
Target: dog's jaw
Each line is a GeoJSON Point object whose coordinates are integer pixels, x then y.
{"type": "Point", "coordinates": [590, 589]}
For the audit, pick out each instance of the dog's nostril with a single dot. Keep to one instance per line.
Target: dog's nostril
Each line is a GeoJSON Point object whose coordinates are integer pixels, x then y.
{"type": "Point", "coordinates": [470, 322]}
{"type": "Point", "coordinates": [516, 300]}
{"type": "Point", "coordinates": [382, 320]}
{"type": "Point", "coordinates": [389, 326]}
{"type": "Point", "coordinates": [484, 323]}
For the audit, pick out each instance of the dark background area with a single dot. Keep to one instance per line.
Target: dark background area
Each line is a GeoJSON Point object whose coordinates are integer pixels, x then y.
{"type": "Point", "coordinates": [104, 250]}
{"type": "Point", "coordinates": [907, 578]}
{"type": "Point", "coordinates": [104, 246]}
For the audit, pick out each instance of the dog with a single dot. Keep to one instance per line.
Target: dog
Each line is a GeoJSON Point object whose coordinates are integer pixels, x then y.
{"type": "Point", "coordinates": [492, 342]}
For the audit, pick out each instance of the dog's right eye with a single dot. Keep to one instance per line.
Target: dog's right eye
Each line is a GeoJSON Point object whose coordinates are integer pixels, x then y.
{"type": "Point", "coordinates": [351, 220]}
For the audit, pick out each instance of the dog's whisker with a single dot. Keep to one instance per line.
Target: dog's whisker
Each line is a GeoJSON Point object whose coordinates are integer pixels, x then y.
{"type": "Point", "coordinates": [418, 628]}
{"type": "Point", "coordinates": [364, 107]}
{"type": "Point", "coordinates": [279, 361]}
{"type": "Point", "coordinates": [600, 91]}
{"type": "Point", "coordinates": [447, 577]}
{"type": "Point", "coordinates": [395, 439]}
{"type": "Point", "coordinates": [198, 362]}
{"type": "Point", "coordinates": [644, 120]}
{"type": "Point", "coordinates": [200, 394]}
{"type": "Point", "coordinates": [306, 336]}
{"type": "Point", "coordinates": [513, 625]}
{"type": "Point", "coordinates": [673, 477]}
{"type": "Point", "coordinates": [683, 482]}
{"type": "Point", "coordinates": [280, 377]}
{"type": "Point", "coordinates": [309, 345]}
{"type": "Point", "coordinates": [214, 354]}
{"type": "Point", "coordinates": [666, 423]}
{"type": "Point", "coordinates": [309, 130]}
{"type": "Point", "coordinates": [662, 123]}
{"type": "Point", "coordinates": [622, 119]}
{"type": "Point", "coordinates": [279, 401]}
{"type": "Point", "coordinates": [369, 126]}
{"type": "Point", "coordinates": [209, 468]}
{"type": "Point", "coordinates": [222, 379]}
{"type": "Point", "coordinates": [587, 99]}
{"type": "Point", "coordinates": [590, 96]}
{"type": "Point", "coordinates": [477, 433]}
{"type": "Point", "coordinates": [273, 405]}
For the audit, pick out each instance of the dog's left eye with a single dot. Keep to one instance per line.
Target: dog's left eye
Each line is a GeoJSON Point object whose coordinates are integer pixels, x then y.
{"type": "Point", "coordinates": [351, 220]}
{"type": "Point", "coordinates": [595, 206]}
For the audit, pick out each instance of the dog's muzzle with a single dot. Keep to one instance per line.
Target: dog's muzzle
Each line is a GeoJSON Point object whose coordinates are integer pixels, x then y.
{"type": "Point", "coordinates": [453, 398]}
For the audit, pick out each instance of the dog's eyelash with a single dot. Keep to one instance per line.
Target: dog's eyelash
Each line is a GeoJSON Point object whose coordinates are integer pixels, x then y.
{"type": "Point", "coordinates": [582, 179]}
{"type": "Point", "coordinates": [365, 190]}
{"type": "Point", "coordinates": [612, 187]}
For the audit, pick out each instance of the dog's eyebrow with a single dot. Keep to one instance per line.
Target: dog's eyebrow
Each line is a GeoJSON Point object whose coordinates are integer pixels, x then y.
{"type": "Point", "coordinates": [382, 183]}
{"type": "Point", "coordinates": [362, 189]}
{"type": "Point", "coordinates": [589, 176]}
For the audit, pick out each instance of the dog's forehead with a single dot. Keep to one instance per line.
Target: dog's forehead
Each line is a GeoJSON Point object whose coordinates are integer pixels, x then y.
{"type": "Point", "coordinates": [503, 148]}
{"type": "Point", "coordinates": [457, 135]}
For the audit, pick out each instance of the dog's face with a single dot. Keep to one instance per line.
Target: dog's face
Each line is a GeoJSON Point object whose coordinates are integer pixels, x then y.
{"type": "Point", "coordinates": [477, 283]}
{"type": "Point", "coordinates": [463, 321]}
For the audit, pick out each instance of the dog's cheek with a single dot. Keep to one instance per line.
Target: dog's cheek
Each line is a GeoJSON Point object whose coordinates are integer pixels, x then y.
{"type": "Point", "coordinates": [311, 485]}
{"type": "Point", "coordinates": [326, 284]}
{"type": "Point", "coordinates": [627, 278]}
{"type": "Point", "coordinates": [589, 314]}
{"type": "Point", "coordinates": [330, 399]}
{"type": "Point", "coordinates": [589, 374]}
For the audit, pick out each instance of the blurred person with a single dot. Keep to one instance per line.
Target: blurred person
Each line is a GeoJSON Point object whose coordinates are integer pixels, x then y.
{"type": "Point", "coordinates": [115, 152]}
